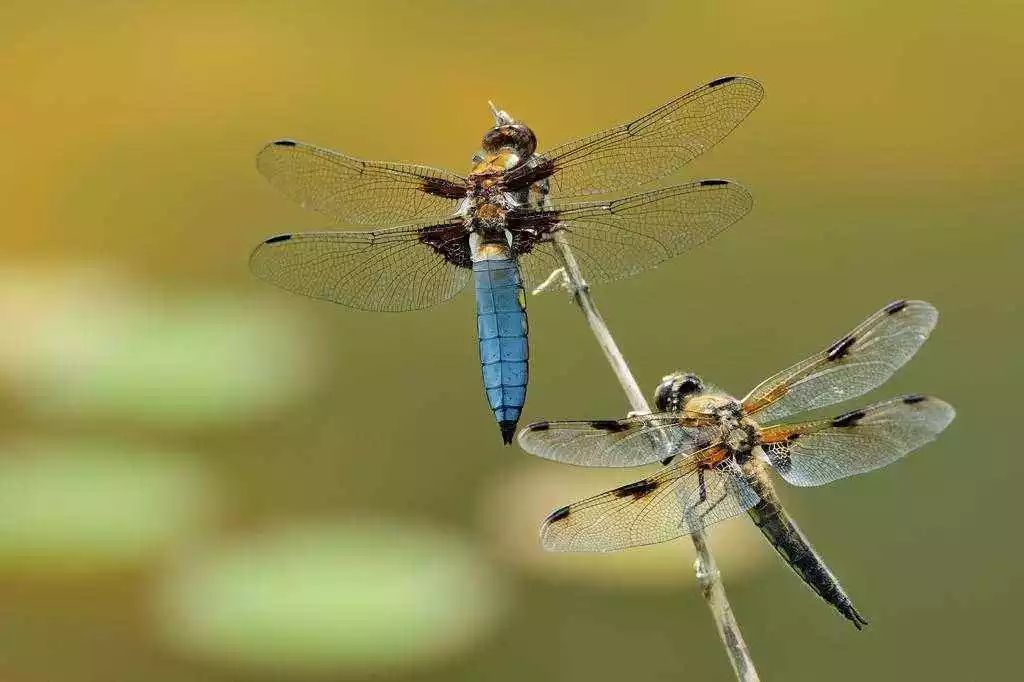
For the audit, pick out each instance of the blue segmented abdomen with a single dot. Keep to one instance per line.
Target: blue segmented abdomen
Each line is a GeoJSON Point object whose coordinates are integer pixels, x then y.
{"type": "Point", "coordinates": [502, 330]}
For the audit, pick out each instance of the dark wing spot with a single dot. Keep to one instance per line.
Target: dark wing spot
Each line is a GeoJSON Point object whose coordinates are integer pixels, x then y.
{"type": "Point", "coordinates": [707, 183]}
{"type": "Point", "coordinates": [443, 188]}
{"type": "Point", "coordinates": [610, 425]}
{"type": "Point", "coordinates": [450, 241]}
{"type": "Point", "coordinates": [284, 143]}
{"type": "Point", "coordinates": [848, 419]}
{"type": "Point", "coordinates": [840, 348]}
{"type": "Point", "coordinates": [895, 307]}
{"type": "Point", "coordinates": [558, 515]}
{"type": "Point", "coordinates": [636, 490]}
{"type": "Point", "coordinates": [530, 227]}
{"type": "Point", "coordinates": [719, 81]}
{"type": "Point", "coordinates": [792, 437]}
{"type": "Point", "coordinates": [913, 399]}
{"type": "Point", "coordinates": [278, 238]}
{"type": "Point", "coordinates": [521, 177]}
{"type": "Point", "coordinates": [539, 426]}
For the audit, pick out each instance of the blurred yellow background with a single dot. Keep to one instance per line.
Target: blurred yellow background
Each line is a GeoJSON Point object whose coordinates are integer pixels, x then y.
{"type": "Point", "coordinates": [205, 478]}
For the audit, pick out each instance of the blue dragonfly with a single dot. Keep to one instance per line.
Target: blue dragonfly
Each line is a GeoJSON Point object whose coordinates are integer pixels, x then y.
{"type": "Point", "coordinates": [500, 226]}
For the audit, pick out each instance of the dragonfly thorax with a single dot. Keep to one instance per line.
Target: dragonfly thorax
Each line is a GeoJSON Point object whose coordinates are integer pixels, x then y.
{"type": "Point", "coordinates": [489, 168]}
{"type": "Point", "coordinates": [685, 392]}
{"type": "Point", "coordinates": [738, 432]}
{"type": "Point", "coordinates": [486, 218]}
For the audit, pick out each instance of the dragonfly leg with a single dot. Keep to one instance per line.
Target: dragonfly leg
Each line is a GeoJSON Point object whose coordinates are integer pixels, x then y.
{"type": "Point", "coordinates": [694, 518]}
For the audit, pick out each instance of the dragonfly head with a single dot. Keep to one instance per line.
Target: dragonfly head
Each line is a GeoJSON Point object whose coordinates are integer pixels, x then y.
{"type": "Point", "coordinates": [675, 389]}
{"type": "Point", "coordinates": [513, 137]}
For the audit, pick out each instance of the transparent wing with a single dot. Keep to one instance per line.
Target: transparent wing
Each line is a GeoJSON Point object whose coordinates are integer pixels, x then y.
{"type": "Point", "coordinates": [629, 442]}
{"type": "Point", "coordinates": [613, 239]}
{"type": "Point", "coordinates": [388, 270]}
{"type": "Point", "coordinates": [687, 495]}
{"type": "Point", "coordinates": [359, 192]}
{"type": "Point", "coordinates": [851, 366]}
{"type": "Point", "coordinates": [650, 147]}
{"type": "Point", "coordinates": [819, 452]}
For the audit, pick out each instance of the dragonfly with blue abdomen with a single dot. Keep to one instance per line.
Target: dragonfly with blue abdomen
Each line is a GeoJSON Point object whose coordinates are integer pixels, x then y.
{"type": "Point", "coordinates": [499, 225]}
{"type": "Point", "coordinates": [719, 449]}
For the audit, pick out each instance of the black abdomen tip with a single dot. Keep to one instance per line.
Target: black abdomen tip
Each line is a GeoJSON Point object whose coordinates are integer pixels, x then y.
{"type": "Point", "coordinates": [508, 430]}
{"type": "Point", "coordinates": [858, 620]}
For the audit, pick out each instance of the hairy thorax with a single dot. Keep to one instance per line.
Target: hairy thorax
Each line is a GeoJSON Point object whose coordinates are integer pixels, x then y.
{"type": "Point", "coordinates": [740, 434]}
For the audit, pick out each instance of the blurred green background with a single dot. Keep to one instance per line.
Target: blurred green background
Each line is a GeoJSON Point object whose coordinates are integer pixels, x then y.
{"type": "Point", "coordinates": [205, 478]}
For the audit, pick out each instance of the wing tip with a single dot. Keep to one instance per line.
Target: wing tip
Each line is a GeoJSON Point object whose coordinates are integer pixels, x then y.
{"type": "Point", "coordinates": [722, 81]}
{"type": "Point", "coordinates": [557, 515]}
{"type": "Point", "coordinates": [732, 186]}
{"type": "Point", "coordinates": [260, 251]}
{"type": "Point", "coordinates": [527, 431]}
{"type": "Point", "coordinates": [265, 158]}
{"type": "Point", "coordinates": [903, 304]}
{"type": "Point", "coordinates": [277, 239]}
{"type": "Point", "coordinates": [753, 83]}
{"type": "Point", "coordinates": [283, 142]}
{"type": "Point", "coordinates": [549, 543]}
{"type": "Point", "coordinates": [947, 411]}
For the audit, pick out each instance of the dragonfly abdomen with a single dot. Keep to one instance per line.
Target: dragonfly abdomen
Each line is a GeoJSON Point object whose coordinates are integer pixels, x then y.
{"type": "Point", "coordinates": [795, 550]}
{"type": "Point", "coordinates": [502, 332]}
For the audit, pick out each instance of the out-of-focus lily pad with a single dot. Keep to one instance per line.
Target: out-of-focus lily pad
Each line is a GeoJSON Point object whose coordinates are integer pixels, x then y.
{"type": "Point", "coordinates": [73, 508]}
{"type": "Point", "coordinates": [526, 494]}
{"type": "Point", "coordinates": [359, 596]}
{"type": "Point", "coordinates": [90, 344]}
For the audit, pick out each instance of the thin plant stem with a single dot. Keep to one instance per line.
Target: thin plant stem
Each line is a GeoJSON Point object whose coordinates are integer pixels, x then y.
{"type": "Point", "coordinates": [709, 578]}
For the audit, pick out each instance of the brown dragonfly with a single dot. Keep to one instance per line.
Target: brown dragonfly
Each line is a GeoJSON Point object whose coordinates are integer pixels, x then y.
{"type": "Point", "coordinates": [720, 449]}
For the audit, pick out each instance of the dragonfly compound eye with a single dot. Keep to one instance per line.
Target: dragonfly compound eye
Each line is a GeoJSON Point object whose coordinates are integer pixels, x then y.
{"type": "Point", "coordinates": [675, 389]}
{"type": "Point", "coordinates": [515, 136]}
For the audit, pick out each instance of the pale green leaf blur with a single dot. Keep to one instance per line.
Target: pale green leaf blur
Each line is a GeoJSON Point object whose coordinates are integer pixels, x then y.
{"type": "Point", "coordinates": [206, 478]}
{"type": "Point", "coordinates": [96, 507]}
{"type": "Point", "coordinates": [365, 595]}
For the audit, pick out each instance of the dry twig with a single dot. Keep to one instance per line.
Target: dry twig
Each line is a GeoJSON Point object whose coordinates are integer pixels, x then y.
{"type": "Point", "coordinates": [708, 576]}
